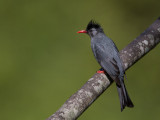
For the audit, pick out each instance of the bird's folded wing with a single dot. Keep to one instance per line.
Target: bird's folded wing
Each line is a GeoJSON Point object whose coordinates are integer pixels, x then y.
{"type": "Point", "coordinates": [107, 62]}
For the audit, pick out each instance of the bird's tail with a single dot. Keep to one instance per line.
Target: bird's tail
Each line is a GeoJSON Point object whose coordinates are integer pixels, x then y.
{"type": "Point", "coordinates": [124, 97]}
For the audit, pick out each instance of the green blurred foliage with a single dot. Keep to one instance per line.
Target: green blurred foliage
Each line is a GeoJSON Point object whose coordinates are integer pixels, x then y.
{"type": "Point", "coordinates": [44, 61]}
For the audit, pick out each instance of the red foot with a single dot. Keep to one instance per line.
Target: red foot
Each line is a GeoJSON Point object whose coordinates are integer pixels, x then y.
{"type": "Point", "coordinates": [100, 71]}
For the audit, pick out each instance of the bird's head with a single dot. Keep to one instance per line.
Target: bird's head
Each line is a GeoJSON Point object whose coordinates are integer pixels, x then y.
{"type": "Point", "coordinates": [92, 29]}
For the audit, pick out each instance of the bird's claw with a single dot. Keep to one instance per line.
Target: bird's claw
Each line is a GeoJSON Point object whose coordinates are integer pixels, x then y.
{"type": "Point", "coordinates": [100, 71]}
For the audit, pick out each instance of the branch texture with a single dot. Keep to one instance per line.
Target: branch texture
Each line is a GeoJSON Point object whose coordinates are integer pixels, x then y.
{"type": "Point", "coordinates": [96, 85]}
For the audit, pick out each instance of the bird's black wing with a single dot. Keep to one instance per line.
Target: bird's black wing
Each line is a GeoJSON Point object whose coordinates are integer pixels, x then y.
{"type": "Point", "coordinates": [107, 62]}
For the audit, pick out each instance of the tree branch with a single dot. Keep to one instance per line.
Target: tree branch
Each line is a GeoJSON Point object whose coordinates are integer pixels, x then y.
{"type": "Point", "coordinates": [96, 85]}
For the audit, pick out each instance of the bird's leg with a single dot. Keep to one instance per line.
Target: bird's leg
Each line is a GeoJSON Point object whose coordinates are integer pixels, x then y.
{"type": "Point", "coordinates": [101, 71]}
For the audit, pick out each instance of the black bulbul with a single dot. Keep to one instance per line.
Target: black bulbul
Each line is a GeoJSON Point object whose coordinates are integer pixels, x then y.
{"type": "Point", "coordinates": [107, 55]}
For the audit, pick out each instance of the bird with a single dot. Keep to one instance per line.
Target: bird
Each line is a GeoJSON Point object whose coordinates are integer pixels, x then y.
{"type": "Point", "coordinates": [107, 55]}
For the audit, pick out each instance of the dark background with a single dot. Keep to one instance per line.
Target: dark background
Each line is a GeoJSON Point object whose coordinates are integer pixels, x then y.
{"type": "Point", "coordinates": [43, 61]}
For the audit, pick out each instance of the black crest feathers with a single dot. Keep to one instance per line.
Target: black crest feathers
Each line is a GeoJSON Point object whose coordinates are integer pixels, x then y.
{"type": "Point", "coordinates": [92, 24]}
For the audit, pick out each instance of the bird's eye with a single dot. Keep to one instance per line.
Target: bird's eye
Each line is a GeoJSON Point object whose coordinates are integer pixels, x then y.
{"type": "Point", "coordinates": [91, 30]}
